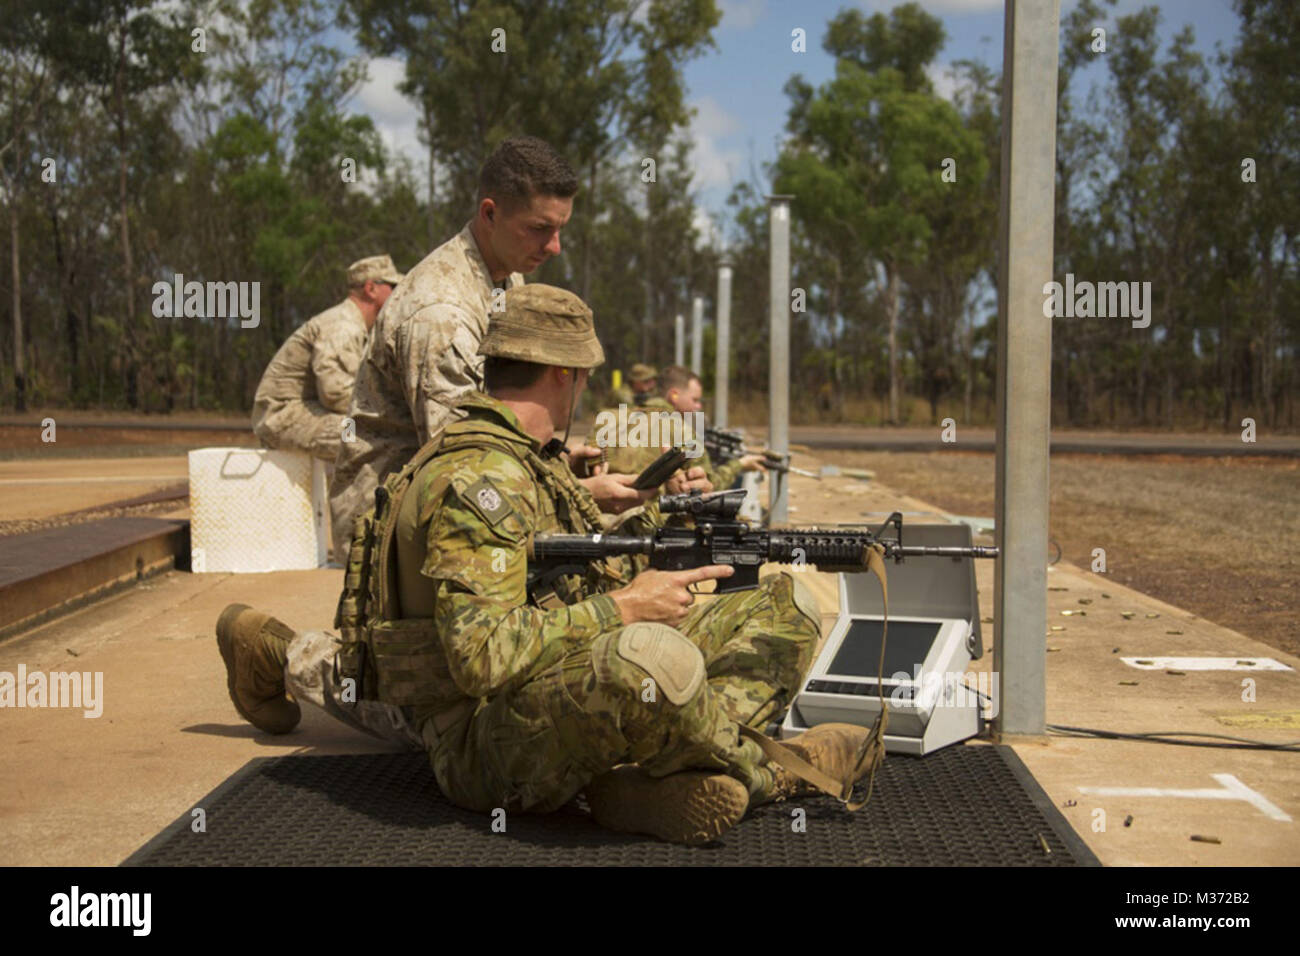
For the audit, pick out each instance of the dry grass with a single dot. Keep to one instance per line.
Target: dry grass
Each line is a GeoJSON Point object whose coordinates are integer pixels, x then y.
{"type": "Point", "coordinates": [1220, 537]}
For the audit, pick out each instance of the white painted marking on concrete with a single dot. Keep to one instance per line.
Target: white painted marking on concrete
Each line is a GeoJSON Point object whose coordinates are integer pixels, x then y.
{"type": "Point", "coordinates": [1205, 663]}
{"type": "Point", "coordinates": [1232, 789]}
{"type": "Point", "coordinates": [79, 481]}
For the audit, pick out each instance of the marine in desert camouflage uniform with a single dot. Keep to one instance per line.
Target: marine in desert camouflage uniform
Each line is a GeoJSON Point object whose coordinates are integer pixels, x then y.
{"type": "Point", "coordinates": [304, 394]}
{"type": "Point", "coordinates": [423, 354]}
{"type": "Point", "coordinates": [524, 697]}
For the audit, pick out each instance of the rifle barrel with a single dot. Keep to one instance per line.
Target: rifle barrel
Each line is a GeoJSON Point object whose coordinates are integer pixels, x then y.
{"type": "Point", "coordinates": [943, 551]}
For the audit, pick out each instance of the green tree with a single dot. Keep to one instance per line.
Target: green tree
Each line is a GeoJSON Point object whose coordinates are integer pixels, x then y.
{"type": "Point", "coordinates": [126, 52]}
{"type": "Point", "coordinates": [588, 77]}
{"type": "Point", "coordinates": [865, 162]}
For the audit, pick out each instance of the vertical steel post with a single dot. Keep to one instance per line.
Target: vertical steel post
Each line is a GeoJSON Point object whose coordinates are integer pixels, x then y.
{"type": "Point", "coordinates": [679, 343]}
{"type": "Point", "coordinates": [722, 364]}
{"type": "Point", "coordinates": [778, 420]}
{"type": "Point", "coordinates": [697, 334]}
{"type": "Point", "coordinates": [1024, 384]}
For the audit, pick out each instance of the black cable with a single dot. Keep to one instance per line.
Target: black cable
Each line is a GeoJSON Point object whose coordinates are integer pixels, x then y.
{"type": "Point", "coordinates": [1160, 737]}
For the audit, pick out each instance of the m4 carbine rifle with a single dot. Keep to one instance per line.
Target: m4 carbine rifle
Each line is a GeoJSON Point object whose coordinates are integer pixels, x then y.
{"type": "Point", "coordinates": [719, 537]}
{"type": "Point", "coordinates": [726, 444]}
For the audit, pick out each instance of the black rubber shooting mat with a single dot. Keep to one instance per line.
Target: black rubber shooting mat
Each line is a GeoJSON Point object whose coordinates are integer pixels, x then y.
{"type": "Point", "coordinates": [967, 805]}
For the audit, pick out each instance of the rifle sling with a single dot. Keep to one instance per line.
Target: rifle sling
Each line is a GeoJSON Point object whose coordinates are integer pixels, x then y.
{"type": "Point", "coordinates": [872, 752]}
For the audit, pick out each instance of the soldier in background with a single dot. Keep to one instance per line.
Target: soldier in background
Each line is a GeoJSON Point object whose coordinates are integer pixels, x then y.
{"type": "Point", "coordinates": [642, 380]}
{"type": "Point", "coordinates": [638, 386]}
{"type": "Point", "coordinates": [681, 396]}
{"type": "Point", "coordinates": [305, 391]}
{"type": "Point", "coordinates": [525, 695]}
{"type": "Point", "coordinates": [683, 392]}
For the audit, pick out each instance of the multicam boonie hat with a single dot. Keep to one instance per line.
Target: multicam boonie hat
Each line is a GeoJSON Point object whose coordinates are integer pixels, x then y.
{"type": "Point", "coordinates": [640, 372]}
{"type": "Point", "coordinates": [546, 325]}
{"type": "Point", "coordinates": [378, 268]}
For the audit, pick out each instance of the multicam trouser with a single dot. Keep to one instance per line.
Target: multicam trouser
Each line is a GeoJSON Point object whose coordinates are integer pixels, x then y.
{"type": "Point", "coordinates": [306, 426]}
{"type": "Point", "coordinates": [535, 746]}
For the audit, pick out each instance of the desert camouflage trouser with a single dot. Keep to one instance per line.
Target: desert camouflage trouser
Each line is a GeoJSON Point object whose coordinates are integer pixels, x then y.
{"type": "Point", "coordinates": [306, 426]}
{"type": "Point", "coordinates": [310, 676]}
{"type": "Point", "coordinates": [534, 747]}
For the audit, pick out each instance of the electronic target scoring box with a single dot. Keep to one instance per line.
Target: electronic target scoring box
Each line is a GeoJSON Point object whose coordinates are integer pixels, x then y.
{"type": "Point", "coordinates": [934, 633]}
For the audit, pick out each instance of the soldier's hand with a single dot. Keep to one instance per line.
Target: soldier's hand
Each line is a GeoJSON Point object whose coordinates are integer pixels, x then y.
{"type": "Point", "coordinates": [683, 482]}
{"type": "Point", "coordinates": [753, 463]}
{"type": "Point", "coordinates": [583, 452]}
{"type": "Point", "coordinates": [614, 494]}
{"type": "Point", "coordinates": [664, 596]}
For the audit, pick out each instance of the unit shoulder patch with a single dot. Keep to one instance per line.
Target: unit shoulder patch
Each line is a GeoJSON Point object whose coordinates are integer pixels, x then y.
{"type": "Point", "coordinates": [486, 499]}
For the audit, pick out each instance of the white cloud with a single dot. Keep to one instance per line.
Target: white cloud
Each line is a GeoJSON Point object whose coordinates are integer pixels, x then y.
{"type": "Point", "coordinates": [741, 14]}
{"type": "Point", "coordinates": [715, 165]}
{"type": "Point", "coordinates": [705, 226]}
{"type": "Point", "coordinates": [944, 79]}
{"type": "Point", "coordinates": [393, 114]}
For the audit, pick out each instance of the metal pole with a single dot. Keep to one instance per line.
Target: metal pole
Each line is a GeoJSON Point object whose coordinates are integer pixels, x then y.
{"type": "Point", "coordinates": [722, 366]}
{"type": "Point", "coordinates": [679, 344]}
{"type": "Point", "coordinates": [778, 419]}
{"type": "Point", "coordinates": [697, 334]}
{"type": "Point", "coordinates": [1024, 361]}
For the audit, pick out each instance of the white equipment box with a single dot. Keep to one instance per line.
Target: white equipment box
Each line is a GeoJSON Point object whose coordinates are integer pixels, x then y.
{"type": "Point", "coordinates": [254, 510]}
{"type": "Point", "coordinates": [934, 633]}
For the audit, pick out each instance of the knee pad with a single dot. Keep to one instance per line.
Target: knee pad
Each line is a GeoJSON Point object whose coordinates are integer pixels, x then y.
{"type": "Point", "coordinates": [656, 650]}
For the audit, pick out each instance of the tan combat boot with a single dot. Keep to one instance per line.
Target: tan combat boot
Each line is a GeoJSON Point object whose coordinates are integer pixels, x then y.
{"type": "Point", "coordinates": [688, 807]}
{"type": "Point", "coordinates": [837, 750]}
{"type": "Point", "coordinates": [253, 645]}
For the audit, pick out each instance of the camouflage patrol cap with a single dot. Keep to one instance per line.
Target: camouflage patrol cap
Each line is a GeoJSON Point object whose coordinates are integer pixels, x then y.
{"type": "Point", "coordinates": [546, 325]}
{"type": "Point", "coordinates": [378, 268]}
{"type": "Point", "coordinates": [640, 372]}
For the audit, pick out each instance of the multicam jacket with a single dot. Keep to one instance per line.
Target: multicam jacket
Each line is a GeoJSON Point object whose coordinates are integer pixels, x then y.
{"type": "Point", "coordinates": [482, 487]}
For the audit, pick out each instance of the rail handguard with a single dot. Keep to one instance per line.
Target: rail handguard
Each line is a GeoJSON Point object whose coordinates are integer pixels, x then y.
{"type": "Point", "coordinates": [719, 537]}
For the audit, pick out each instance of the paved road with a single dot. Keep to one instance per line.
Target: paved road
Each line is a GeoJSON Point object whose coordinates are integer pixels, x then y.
{"type": "Point", "coordinates": [842, 437]}
{"type": "Point", "coordinates": [859, 438]}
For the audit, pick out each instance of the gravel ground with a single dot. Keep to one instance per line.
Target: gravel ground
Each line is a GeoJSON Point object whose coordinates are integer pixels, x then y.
{"type": "Point", "coordinates": [1218, 536]}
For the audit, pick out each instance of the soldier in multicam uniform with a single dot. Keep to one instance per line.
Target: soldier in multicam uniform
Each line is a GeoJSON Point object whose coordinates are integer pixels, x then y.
{"type": "Point", "coordinates": [640, 385]}
{"type": "Point", "coordinates": [680, 394]}
{"type": "Point", "coordinates": [523, 698]}
{"type": "Point", "coordinates": [304, 394]}
{"type": "Point", "coordinates": [422, 358]}
{"type": "Point", "coordinates": [643, 379]}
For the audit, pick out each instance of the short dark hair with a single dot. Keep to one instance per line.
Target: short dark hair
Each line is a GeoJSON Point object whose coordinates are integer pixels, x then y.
{"type": "Point", "coordinates": [523, 167]}
{"type": "Point", "coordinates": [675, 376]}
{"type": "Point", "coordinates": [499, 373]}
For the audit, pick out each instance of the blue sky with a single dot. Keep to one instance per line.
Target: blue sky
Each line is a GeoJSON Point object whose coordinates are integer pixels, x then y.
{"type": "Point", "coordinates": [736, 88]}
